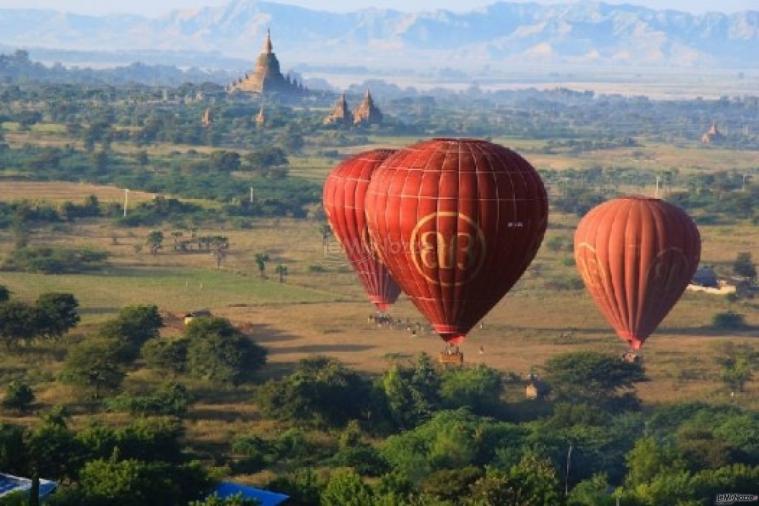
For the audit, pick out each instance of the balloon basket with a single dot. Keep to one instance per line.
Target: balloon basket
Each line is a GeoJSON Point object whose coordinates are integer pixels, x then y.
{"type": "Point", "coordinates": [451, 356]}
{"type": "Point", "coordinates": [631, 357]}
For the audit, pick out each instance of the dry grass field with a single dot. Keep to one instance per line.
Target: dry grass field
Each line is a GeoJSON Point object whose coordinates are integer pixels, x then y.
{"type": "Point", "coordinates": [59, 191]}
{"type": "Point", "coordinates": [326, 312]}
{"type": "Point", "coordinates": [321, 309]}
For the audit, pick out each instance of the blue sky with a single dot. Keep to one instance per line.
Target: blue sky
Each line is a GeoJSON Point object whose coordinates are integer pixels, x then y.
{"type": "Point", "coordinates": [153, 7]}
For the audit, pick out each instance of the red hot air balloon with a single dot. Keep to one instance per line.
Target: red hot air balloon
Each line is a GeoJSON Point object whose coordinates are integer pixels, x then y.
{"type": "Point", "coordinates": [636, 255]}
{"type": "Point", "coordinates": [344, 193]}
{"type": "Point", "coordinates": [457, 222]}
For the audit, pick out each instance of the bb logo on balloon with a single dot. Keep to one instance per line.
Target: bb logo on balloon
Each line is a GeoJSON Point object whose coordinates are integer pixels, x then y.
{"type": "Point", "coordinates": [448, 248]}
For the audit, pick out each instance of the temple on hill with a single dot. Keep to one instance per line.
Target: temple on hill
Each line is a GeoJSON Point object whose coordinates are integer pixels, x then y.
{"type": "Point", "coordinates": [367, 113]}
{"type": "Point", "coordinates": [267, 76]}
{"type": "Point", "coordinates": [340, 114]}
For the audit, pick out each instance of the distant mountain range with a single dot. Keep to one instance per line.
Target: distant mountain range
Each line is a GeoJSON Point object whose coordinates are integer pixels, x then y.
{"type": "Point", "coordinates": [502, 33]}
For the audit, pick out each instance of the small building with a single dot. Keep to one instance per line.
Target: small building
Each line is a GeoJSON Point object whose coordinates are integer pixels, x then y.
{"type": "Point", "coordinates": [535, 389]}
{"type": "Point", "coordinates": [201, 313]}
{"type": "Point", "coordinates": [12, 485]}
{"type": "Point", "coordinates": [264, 497]}
{"type": "Point", "coordinates": [705, 280]}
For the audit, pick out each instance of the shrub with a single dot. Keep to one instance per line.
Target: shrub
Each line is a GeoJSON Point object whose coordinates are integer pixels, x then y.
{"type": "Point", "coordinates": [171, 399]}
{"type": "Point", "coordinates": [133, 326]}
{"type": "Point", "coordinates": [57, 313]}
{"type": "Point", "coordinates": [55, 260]}
{"type": "Point", "coordinates": [166, 355]}
{"type": "Point", "coordinates": [219, 352]}
{"type": "Point", "coordinates": [321, 391]}
{"type": "Point", "coordinates": [479, 388]}
{"type": "Point", "coordinates": [729, 320]}
{"type": "Point", "coordinates": [18, 396]}
{"type": "Point", "coordinates": [93, 366]}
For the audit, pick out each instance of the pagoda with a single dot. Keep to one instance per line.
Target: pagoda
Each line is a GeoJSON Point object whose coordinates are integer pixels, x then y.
{"type": "Point", "coordinates": [267, 77]}
{"type": "Point", "coordinates": [712, 135]}
{"type": "Point", "coordinates": [261, 117]}
{"type": "Point", "coordinates": [367, 113]}
{"type": "Point", "coordinates": [207, 118]}
{"type": "Point", "coordinates": [340, 114]}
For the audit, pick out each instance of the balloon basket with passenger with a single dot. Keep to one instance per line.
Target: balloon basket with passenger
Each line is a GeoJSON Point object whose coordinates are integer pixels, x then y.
{"type": "Point", "coordinates": [451, 355]}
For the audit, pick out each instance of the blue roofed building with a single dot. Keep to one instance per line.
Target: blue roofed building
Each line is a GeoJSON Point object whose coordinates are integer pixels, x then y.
{"type": "Point", "coordinates": [10, 485]}
{"type": "Point", "coordinates": [265, 497]}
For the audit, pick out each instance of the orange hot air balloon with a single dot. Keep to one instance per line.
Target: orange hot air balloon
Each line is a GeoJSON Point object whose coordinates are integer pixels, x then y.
{"type": "Point", "coordinates": [636, 255]}
{"type": "Point", "coordinates": [457, 222]}
{"type": "Point", "coordinates": [344, 192]}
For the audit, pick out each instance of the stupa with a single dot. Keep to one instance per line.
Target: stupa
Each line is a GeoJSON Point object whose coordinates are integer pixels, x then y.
{"type": "Point", "coordinates": [267, 76]}
{"type": "Point", "coordinates": [340, 114]}
{"type": "Point", "coordinates": [367, 113]}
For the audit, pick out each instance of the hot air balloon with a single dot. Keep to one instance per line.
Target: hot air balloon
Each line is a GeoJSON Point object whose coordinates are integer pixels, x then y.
{"type": "Point", "coordinates": [636, 255]}
{"type": "Point", "coordinates": [457, 222]}
{"type": "Point", "coordinates": [344, 192]}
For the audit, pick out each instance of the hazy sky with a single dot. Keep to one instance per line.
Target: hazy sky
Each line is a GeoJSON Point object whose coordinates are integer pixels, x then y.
{"type": "Point", "coordinates": [153, 7]}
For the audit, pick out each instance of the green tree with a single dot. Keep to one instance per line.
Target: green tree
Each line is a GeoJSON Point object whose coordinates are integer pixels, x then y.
{"type": "Point", "coordinates": [744, 266]}
{"type": "Point", "coordinates": [345, 488]}
{"type": "Point", "coordinates": [154, 241]}
{"type": "Point", "coordinates": [479, 388]}
{"type": "Point", "coordinates": [531, 482]}
{"type": "Point", "coordinates": [18, 322]}
{"type": "Point", "coordinates": [591, 492]}
{"type": "Point", "coordinates": [650, 458]}
{"type": "Point", "coordinates": [591, 377]}
{"type": "Point", "coordinates": [57, 313]}
{"type": "Point", "coordinates": [303, 487]}
{"type": "Point", "coordinates": [281, 270]}
{"type": "Point", "coordinates": [450, 484]}
{"type": "Point", "coordinates": [736, 365]}
{"type": "Point", "coordinates": [133, 482]}
{"type": "Point", "coordinates": [261, 260]}
{"type": "Point", "coordinates": [53, 449]}
{"type": "Point", "coordinates": [266, 157]}
{"type": "Point", "coordinates": [225, 161]}
{"type": "Point", "coordinates": [18, 396]}
{"type": "Point", "coordinates": [235, 500]}
{"type": "Point", "coordinates": [94, 367]}
{"type": "Point", "coordinates": [219, 352]}
{"type": "Point", "coordinates": [320, 390]}
{"type": "Point", "coordinates": [132, 328]}
{"type": "Point", "coordinates": [729, 320]}
{"type": "Point", "coordinates": [5, 294]}
{"type": "Point", "coordinates": [13, 451]}
{"type": "Point", "coordinates": [165, 354]}
{"type": "Point", "coordinates": [168, 399]}
{"type": "Point", "coordinates": [412, 393]}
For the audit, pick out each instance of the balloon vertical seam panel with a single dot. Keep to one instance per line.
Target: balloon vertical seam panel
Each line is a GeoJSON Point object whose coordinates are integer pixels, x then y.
{"type": "Point", "coordinates": [663, 256]}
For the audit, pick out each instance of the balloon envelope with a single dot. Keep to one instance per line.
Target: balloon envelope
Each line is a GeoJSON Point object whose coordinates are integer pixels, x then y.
{"type": "Point", "coordinates": [344, 194]}
{"type": "Point", "coordinates": [636, 256]}
{"type": "Point", "coordinates": [457, 222]}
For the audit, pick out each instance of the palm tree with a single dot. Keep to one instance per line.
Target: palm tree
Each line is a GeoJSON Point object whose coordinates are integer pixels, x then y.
{"type": "Point", "coordinates": [282, 271]}
{"type": "Point", "coordinates": [261, 259]}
